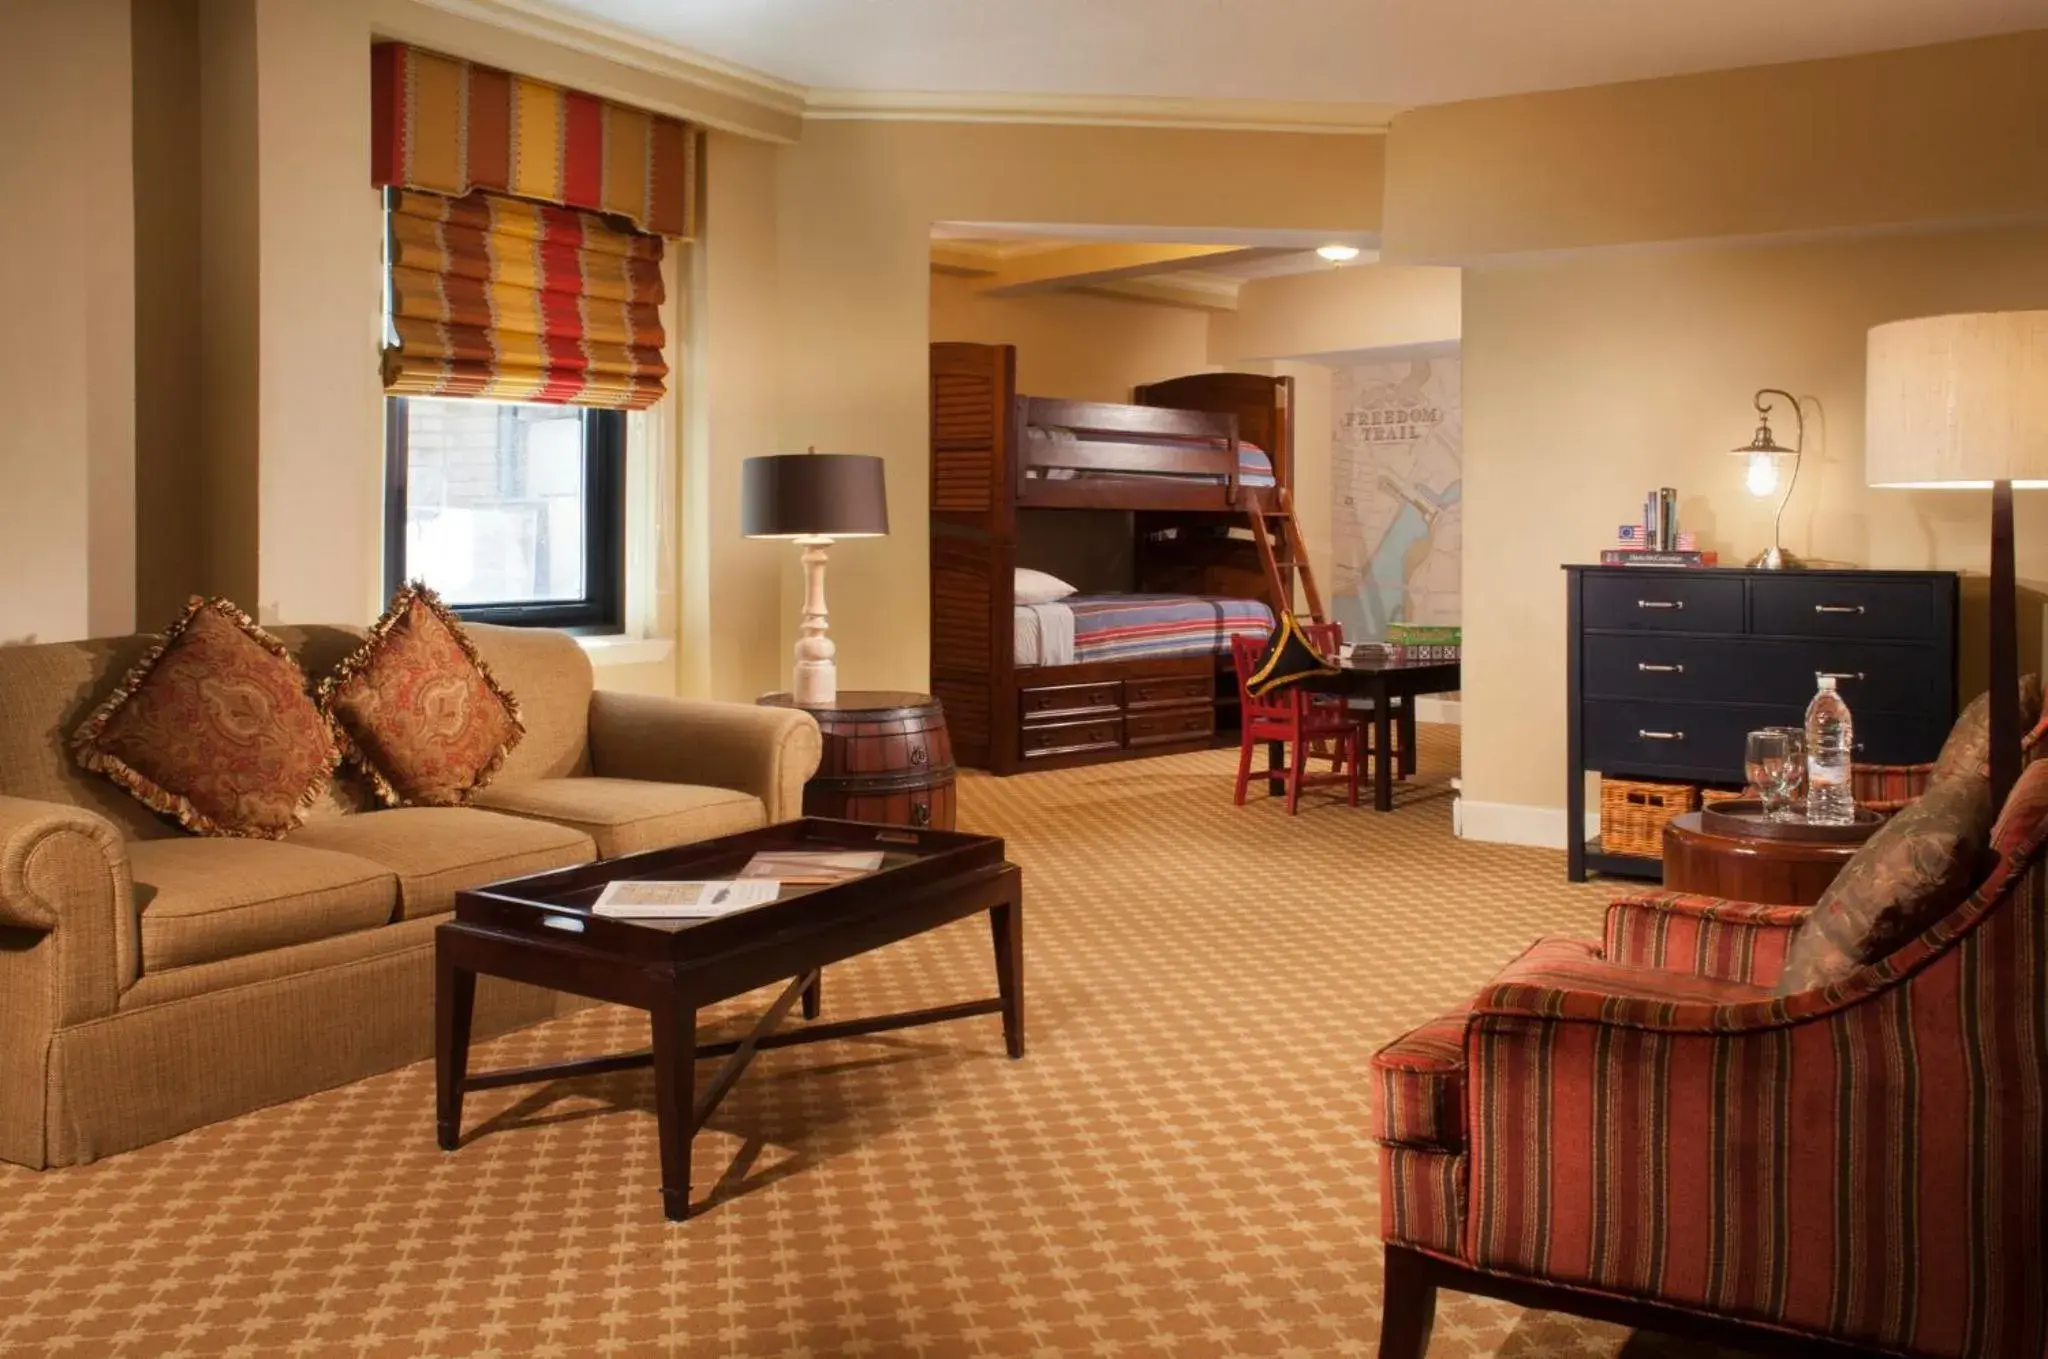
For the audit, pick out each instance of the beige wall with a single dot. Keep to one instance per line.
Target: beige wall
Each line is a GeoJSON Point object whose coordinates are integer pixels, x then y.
{"type": "Point", "coordinates": [1369, 306]}
{"type": "Point", "coordinates": [1922, 137]}
{"type": "Point", "coordinates": [1589, 380]}
{"type": "Point", "coordinates": [1071, 345]}
{"type": "Point", "coordinates": [67, 352]}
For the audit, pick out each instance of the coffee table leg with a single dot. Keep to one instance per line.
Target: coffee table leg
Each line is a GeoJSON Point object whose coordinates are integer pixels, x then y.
{"type": "Point", "coordinates": [675, 1063]}
{"type": "Point", "coordinates": [1006, 922]}
{"type": "Point", "coordinates": [454, 1002]}
{"type": "Point", "coordinates": [814, 995]}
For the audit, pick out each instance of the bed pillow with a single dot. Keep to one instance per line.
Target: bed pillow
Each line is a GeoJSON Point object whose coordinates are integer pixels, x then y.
{"type": "Point", "coordinates": [1036, 587]}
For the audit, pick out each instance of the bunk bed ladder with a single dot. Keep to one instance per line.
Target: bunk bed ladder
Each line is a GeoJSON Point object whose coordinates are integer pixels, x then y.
{"type": "Point", "coordinates": [1284, 555]}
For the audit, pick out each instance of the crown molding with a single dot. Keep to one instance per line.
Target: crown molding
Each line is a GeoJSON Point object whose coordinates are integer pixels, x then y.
{"type": "Point", "coordinates": [629, 47]}
{"type": "Point", "coordinates": [1102, 110]}
{"type": "Point", "coordinates": [546, 21]}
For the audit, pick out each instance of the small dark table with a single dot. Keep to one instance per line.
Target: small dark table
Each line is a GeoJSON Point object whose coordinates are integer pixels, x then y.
{"type": "Point", "coordinates": [1749, 868]}
{"type": "Point", "coordinates": [1382, 682]}
{"type": "Point", "coordinates": [540, 930]}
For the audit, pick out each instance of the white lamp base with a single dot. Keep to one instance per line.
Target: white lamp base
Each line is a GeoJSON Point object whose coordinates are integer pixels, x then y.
{"type": "Point", "coordinates": [815, 682]}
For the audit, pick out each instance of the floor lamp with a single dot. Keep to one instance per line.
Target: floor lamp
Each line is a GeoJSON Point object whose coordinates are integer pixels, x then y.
{"type": "Point", "coordinates": [1961, 402]}
{"type": "Point", "coordinates": [813, 499]}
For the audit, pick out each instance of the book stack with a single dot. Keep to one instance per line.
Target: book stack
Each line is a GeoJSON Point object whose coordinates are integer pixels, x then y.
{"type": "Point", "coordinates": [1425, 641]}
{"type": "Point", "coordinates": [1657, 541]}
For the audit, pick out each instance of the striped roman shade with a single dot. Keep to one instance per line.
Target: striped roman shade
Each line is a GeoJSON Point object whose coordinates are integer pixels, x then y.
{"type": "Point", "coordinates": [498, 298]}
{"type": "Point", "coordinates": [451, 127]}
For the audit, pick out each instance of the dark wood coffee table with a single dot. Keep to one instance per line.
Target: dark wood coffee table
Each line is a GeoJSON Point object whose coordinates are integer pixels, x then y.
{"type": "Point", "coordinates": [540, 930]}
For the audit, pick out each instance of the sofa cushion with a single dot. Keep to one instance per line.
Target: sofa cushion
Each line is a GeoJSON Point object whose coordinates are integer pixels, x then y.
{"type": "Point", "coordinates": [214, 727]}
{"type": "Point", "coordinates": [625, 816]}
{"type": "Point", "coordinates": [205, 899]}
{"type": "Point", "coordinates": [425, 719]}
{"type": "Point", "coordinates": [1918, 867]}
{"type": "Point", "coordinates": [438, 851]}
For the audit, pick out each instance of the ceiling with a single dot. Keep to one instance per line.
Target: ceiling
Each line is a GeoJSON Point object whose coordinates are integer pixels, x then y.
{"type": "Point", "coordinates": [1012, 259]}
{"type": "Point", "coordinates": [1392, 53]}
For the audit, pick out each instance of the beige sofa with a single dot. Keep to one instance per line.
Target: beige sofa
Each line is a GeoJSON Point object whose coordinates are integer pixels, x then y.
{"type": "Point", "coordinates": [152, 981]}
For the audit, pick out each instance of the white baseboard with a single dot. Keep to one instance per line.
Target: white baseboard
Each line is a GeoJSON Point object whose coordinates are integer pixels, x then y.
{"type": "Point", "coordinates": [1429, 709]}
{"type": "Point", "coordinates": [1512, 823]}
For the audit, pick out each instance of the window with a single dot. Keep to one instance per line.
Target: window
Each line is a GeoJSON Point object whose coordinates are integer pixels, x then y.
{"type": "Point", "coordinates": [512, 513]}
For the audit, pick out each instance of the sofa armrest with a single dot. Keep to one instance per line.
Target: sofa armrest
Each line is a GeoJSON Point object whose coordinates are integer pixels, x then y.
{"type": "Point", "coordinates": [1739, 941]}
{"type": "Point", "coordinates": [768, 752]}
{"type": "Point", "coordinates": [64, 875]}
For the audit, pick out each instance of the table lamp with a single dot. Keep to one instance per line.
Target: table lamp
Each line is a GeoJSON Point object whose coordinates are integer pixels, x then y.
{"type": "Point", "coordinates": [1961, 403]}
{"type": "Point", "coordinates": [1764, 453]}
{"type": "Point", "coordinates": [813, 499]}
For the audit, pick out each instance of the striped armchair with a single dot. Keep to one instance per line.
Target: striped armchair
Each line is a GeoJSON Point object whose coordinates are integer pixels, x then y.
{"type": "Point", "coordinates": [1643, 1132]}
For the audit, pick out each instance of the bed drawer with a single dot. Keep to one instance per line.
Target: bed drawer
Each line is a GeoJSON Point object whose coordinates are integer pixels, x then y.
{"type": "Point", "coordinates": [1173, 724]}
{"type": "Point", "coordinates": [1169, 691]}
{"type": "Point", "coordinates": [1064, 702]}
{"type": "Point", "coordinates": [1069, 738]}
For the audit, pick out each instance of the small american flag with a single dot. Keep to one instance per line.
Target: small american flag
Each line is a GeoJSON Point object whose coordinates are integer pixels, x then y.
{"type": "Point", "coordinates": [1631, 536]}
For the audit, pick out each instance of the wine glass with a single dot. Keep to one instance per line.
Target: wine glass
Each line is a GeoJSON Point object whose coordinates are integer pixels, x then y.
{"type": "Point", "coordinates": [1775, 760]}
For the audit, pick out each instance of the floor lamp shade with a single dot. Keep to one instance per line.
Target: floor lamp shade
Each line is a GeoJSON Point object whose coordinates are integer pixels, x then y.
{"type": "Point", "coordinates": [1960, 402]}
{"type": "Point", "coordinates": [813, 498]}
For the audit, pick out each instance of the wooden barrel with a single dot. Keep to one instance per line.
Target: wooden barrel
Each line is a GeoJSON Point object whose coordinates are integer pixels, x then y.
{"type": "Point", "coordinates": [887, 758]}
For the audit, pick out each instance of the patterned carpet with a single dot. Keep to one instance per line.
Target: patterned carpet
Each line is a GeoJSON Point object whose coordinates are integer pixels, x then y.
{"type": "Point", "coordinates": [1181, 1166]}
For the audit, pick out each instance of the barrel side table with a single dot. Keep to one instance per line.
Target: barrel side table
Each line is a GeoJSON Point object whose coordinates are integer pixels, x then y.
{"type": "Point", "coordinates": [1742, 868]}
{"type": "Point", "coordinates": [887, 758]}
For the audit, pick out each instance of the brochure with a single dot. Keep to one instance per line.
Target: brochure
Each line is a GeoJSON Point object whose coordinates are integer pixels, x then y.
{"type": "Point", "coordinates": [649, 899]}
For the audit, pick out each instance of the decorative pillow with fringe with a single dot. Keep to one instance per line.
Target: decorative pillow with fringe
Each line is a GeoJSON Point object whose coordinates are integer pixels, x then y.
{"type": "Point", "coordinates": [420, 712]}
{"type": "Point", "coordinates": [214, 727]}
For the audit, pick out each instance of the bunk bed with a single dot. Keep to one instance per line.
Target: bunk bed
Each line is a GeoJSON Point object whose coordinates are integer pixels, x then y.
{"type": "Point", "coordinates": [1196, 471]}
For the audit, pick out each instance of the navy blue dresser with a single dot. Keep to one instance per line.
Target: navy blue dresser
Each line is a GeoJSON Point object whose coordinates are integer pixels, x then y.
{"type": "Point", "coordinates": [1669, 669]}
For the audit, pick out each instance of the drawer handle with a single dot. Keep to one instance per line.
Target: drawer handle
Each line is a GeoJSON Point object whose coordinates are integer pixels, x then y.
{"type": "Point", "coordinates": [1659, 735]}
{"type": "Point", "coordinates": [919, 756]}
{"type": "Point", "coordinates": [1839, 674]}
{"type": "Point", "coordinates": [1838, 608]}
{"type": "Point", "coordinates": [1660, 603]}
{"type": "Point", "coordinates": [1651, 668]}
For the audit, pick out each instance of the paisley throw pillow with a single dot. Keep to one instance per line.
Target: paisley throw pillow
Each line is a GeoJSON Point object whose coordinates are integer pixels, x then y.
{"type": "Point", "coordinates": [1968, 748]}
{"type": "Point", "coordinates": [215, 728]}
{"type": "Point", "coordinates": [1918, 867]}
{"type": "Point", "coordinates": [423, 716]}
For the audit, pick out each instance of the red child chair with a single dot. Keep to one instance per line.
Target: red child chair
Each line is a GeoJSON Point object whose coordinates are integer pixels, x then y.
{"type": "Point", "coordinates": [1295, 717]}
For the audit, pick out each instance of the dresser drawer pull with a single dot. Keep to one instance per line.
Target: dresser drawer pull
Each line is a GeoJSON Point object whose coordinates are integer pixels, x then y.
{"type": "Point", "coordinates": [1839, 674]}
{"type": "Point", "coordinates": [1651, 668]}
{"type": "Point", "coordinates": [1660, 604]}
{"type": "Point", "coordinates": [1659, 735]}
{"type": "Point", "coordinates": [1838, 608]}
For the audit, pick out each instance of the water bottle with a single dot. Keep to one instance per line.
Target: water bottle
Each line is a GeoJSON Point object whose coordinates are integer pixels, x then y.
{"type": "Point", "coordinates": [1830, 801]}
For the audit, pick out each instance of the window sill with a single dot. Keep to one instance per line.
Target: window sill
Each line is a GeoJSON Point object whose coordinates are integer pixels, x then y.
{"type": "Point", "coordinates": [614, 649]}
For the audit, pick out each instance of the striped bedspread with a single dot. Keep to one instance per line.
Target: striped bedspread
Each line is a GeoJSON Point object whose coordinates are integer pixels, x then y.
{"type": "Point", "coordinates": [1142, 627]}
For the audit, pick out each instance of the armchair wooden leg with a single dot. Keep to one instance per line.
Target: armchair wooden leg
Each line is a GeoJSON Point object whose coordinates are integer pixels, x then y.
{"type": "Point", "coordinates": [1408, 1306]}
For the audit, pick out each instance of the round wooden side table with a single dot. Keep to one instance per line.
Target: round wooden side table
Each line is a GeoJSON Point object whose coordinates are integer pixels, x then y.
{"type": "Point", "coordinates": [1747, 868]}
{"type": "Point", "coordinates": [887, 758]}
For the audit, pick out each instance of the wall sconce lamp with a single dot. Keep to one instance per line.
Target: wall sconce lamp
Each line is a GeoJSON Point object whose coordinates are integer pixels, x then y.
{"type": "Point", "coordinates": [1764, 453]}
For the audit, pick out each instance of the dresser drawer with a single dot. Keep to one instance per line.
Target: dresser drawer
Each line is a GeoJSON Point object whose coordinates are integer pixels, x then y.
{"type": "Point", "coordinates": [1690, 740]}
{"type": "Point", "coordinates": [1068, 738]}
{"type": "Point", "coordinates": [1657, 600]}
{"type": "Point", "coordinates": [1873, 676]}
{"type": "Point", "coordinates": [1062, 702]}
{"type": "Point", "coordinates": [1835, 606]}
{"type": "Point", "coordinates": [1169, 724]}
{"type": "Point", "coordinates": [1170, 691]}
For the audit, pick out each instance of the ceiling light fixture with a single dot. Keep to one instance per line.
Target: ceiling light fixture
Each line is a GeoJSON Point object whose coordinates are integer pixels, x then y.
{"type": "Point", "coordinates": [1338, 254]}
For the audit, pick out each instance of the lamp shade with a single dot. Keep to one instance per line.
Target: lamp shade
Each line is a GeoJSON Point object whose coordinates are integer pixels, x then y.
{"type": "Point", "coordinates": [813, 495]}
{"type": "Point", "coordinates": [1958, 401]}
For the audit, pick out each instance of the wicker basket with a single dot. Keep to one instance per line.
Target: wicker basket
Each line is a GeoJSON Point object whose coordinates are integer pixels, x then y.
{"type": "Point", "coordinates": [1633, 814]}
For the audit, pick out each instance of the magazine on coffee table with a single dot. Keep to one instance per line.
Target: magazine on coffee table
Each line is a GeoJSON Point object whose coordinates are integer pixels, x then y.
{"type": "Point", "coordinates": [811, 867]}
{"type": "Point", "coordinates": [649, 899]}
